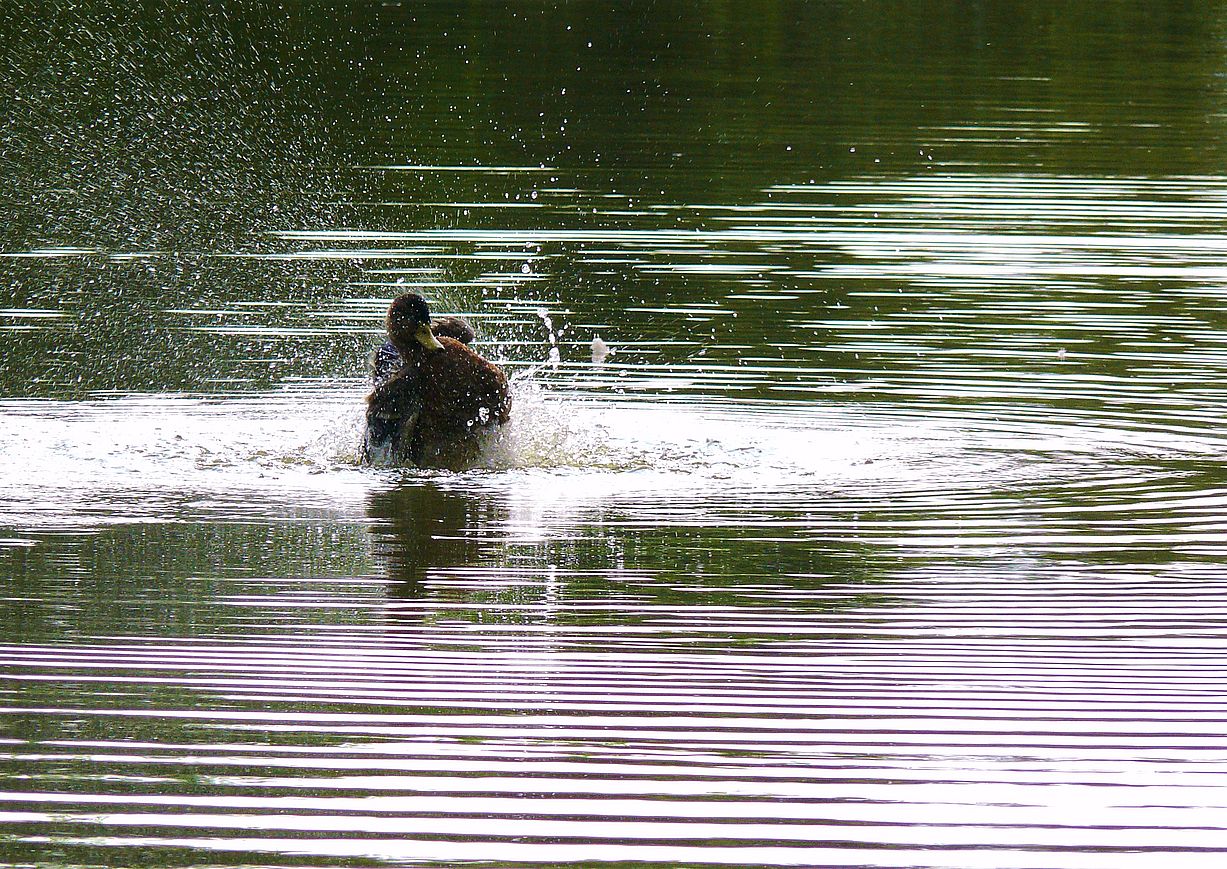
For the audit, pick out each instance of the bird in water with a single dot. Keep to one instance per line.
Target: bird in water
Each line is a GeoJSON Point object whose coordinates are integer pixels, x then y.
{"type": "Point", "coordinates": [435, 401]}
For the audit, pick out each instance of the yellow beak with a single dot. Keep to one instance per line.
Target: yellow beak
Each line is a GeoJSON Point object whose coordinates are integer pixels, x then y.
{"type": "Point", "coordinates": [427, 338]}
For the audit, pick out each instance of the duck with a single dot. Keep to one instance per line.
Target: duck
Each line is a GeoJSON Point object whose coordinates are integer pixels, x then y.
{"type": "Point", "coordinates": [440, 403]}
{"type": "Point", "coordinates": [386, 360]}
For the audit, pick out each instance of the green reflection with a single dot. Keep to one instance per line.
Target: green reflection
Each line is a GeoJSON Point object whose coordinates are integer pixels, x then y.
{"type": "Point", "coordinates": [179, 580]}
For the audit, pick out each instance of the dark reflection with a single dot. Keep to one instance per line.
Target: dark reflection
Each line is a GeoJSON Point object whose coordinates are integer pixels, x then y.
{"type": "Point", "coordinates": [151, 143]}
{"type": "Point", "coordinates": [709, 100]}
{"type": "Point", "coordinates": [156, 325]}
{"type": "Point", "coordinates": [420, 527]}
{"type": "Point", "coordinates": [204, 129]}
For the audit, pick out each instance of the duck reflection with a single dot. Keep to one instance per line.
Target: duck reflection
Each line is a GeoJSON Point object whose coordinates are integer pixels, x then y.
{"type": "Point", "coordinates": [419, 527]}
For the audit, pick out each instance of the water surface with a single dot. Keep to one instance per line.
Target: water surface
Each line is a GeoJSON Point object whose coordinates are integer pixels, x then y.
{"type": "Point", "coordinates": [889, 534]}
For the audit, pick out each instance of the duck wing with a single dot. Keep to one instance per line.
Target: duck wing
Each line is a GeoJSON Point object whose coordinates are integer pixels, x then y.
{"type": "Point", "coordinates": [392, 412]}
{"type": "Point", "coordinates": [384, 362]}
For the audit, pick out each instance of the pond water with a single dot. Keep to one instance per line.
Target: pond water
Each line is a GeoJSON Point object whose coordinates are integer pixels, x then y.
{"type": "Point", "coordinates": [890, 533]}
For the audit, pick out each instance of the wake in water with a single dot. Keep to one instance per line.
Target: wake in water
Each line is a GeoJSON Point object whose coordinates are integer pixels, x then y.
{"type": "Point", "coordinates": [294, 453]}
{"type": "Point", "coordinates": [162, 457]}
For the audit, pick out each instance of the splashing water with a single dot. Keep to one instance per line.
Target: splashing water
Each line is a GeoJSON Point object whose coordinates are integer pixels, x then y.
{"type": "Point", "coordinates": [144, 457]}
{"type": "Point", "coordinates": [555, 357]}
{"type": "Point", "coordinates": [600, 351]}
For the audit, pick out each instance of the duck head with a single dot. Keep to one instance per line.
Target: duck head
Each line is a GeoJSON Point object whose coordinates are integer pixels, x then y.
{"type": "Point", "coordinates": [409, 325]}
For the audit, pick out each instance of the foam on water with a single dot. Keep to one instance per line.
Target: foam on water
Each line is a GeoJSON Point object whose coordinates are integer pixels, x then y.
{"type": "Point", "coordinates": [160, 457]}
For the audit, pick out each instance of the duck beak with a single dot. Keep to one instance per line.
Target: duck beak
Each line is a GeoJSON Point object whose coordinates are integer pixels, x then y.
{"type": "Point", "coordinates": [426, 338]}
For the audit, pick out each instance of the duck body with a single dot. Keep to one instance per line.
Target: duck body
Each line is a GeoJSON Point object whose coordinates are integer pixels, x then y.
{"type": "Point", "coordinates": [435, 403]}
{"type": "Point", "coordinates": [463, 399]}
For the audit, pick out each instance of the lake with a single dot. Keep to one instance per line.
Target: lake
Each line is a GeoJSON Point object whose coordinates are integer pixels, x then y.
{"type": "Point", "coordinates": [889, 532]}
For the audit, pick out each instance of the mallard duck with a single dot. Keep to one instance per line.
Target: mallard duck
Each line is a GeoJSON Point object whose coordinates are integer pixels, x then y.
{"type": "Point", "coordinates": [438, 406]}
{"type": "Point", "coordinates": [386, 360]}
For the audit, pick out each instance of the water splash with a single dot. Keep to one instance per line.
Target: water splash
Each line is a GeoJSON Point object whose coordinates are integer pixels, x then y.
{"type": "Point", "coordinates": [600, 351]}
{"type": "Point", "coordinates": [555, 357]}
{"type": "Point", "coordinates": [551, 431]}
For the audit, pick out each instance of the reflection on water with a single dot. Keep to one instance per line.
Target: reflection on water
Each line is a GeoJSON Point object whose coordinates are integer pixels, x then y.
{"type": "Point", "coordinates": [422, 530]}
{"type": "Point", "coordinates": [889, 534]}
